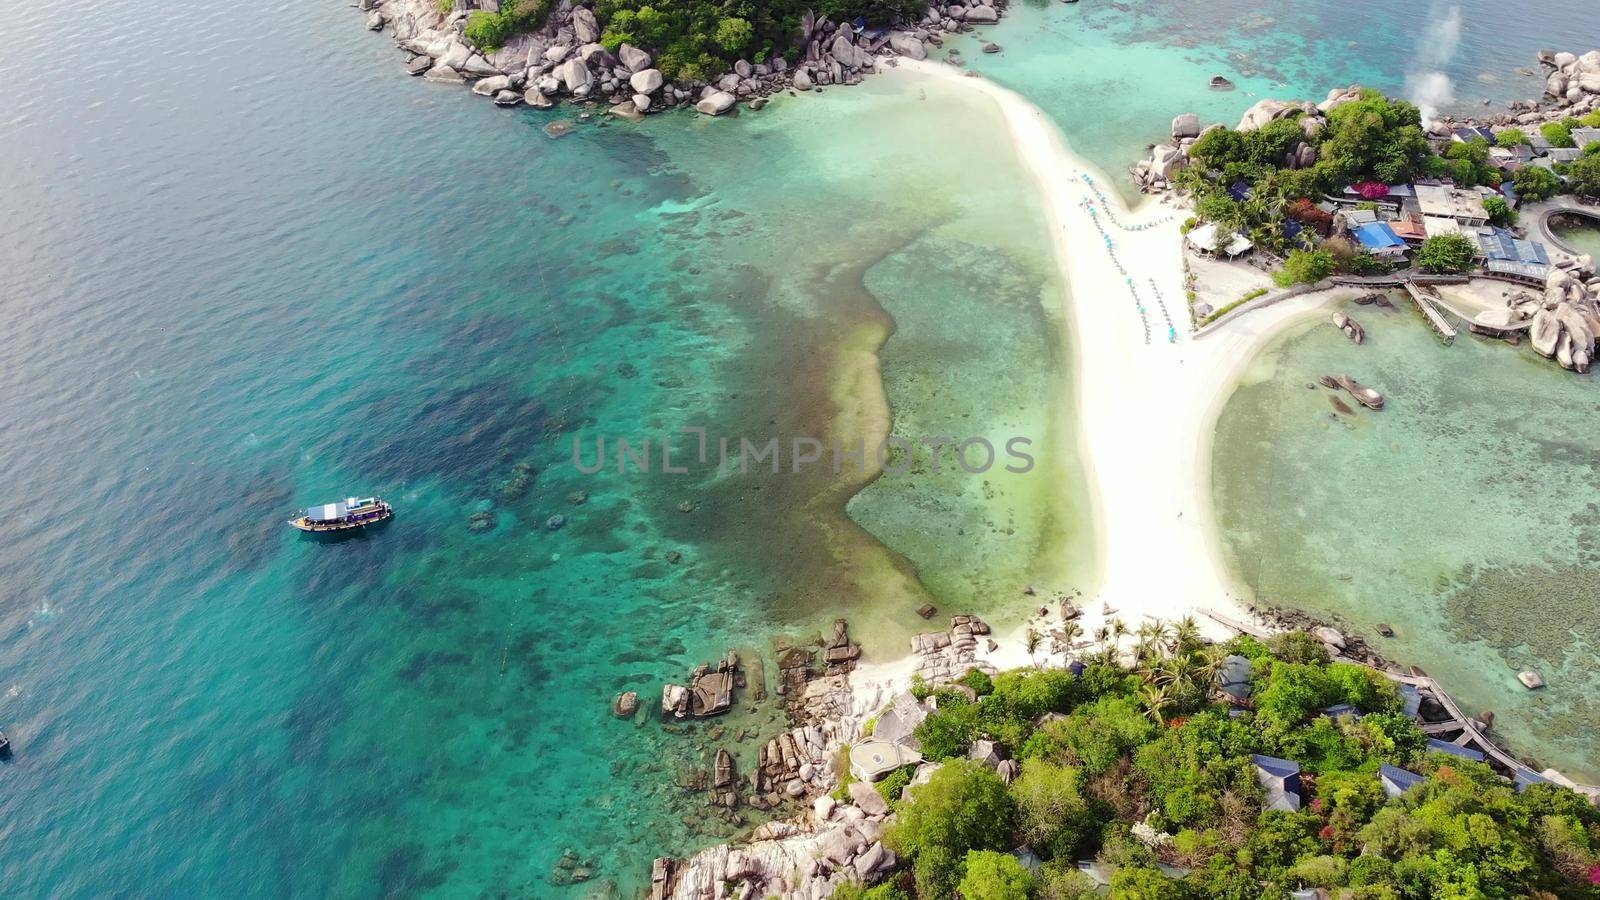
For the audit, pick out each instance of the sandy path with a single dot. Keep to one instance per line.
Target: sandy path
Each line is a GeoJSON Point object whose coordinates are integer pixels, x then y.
{"type": "Point", "coordinates": [1146, 410]}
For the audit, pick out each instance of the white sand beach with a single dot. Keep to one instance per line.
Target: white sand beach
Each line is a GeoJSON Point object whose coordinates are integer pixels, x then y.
{"type": "Point", "coordinates": [1146, 408]}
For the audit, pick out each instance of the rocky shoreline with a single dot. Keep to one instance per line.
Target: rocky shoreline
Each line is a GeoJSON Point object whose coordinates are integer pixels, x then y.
{"type": "Point", "coordinates": [564, 61]}
{"type": "Point", "coordinates": [836, 836]}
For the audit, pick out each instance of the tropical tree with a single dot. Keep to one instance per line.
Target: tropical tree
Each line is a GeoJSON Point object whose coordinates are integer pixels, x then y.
{"type": "Point", "coordinates": [1070, 632]}
{"type": "Point", "coordinates": [1156, 702]}
{"type": "Point", "coordinates": [1536, 183]}
{"type": "Point", "coordinates": [1446, 254]}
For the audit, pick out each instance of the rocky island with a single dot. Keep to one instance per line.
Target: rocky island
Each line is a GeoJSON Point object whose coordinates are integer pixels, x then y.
{"type": "Point", "coordinates": [1358, 191]}
{"type": "Point", "coordinates": [569, 54]}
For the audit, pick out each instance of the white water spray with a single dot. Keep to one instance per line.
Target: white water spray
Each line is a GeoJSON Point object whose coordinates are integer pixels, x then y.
{"type": "Point", "coordinates": [1426, 83]}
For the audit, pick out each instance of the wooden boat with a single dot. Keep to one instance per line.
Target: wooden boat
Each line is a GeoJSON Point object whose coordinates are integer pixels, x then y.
{"type": "Point", "coordinates": [343, 516]}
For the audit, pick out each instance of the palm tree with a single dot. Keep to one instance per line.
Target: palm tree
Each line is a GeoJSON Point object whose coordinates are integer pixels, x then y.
{"type": "Point", "coordinates": [1119, 630]}
{"type": "Point", "coordinates": [1070, 632]}
{"type": "Point", "coordinates": [1210, 668]}
{"type": "Point", "coordinates": [1155, 701]}
{"type": "Point", "coordinates": [1185, 635]}
{"type": "Point", "coordinates": [1033, 645]}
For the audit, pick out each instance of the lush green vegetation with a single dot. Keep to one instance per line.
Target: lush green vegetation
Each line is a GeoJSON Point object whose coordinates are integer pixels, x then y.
{"type": "Point", "coordinates": [698, 39]}
{"type": "Point", "coordinates": [1583, 176]}
{"type": "Point", "coordinates": [691, 39]}
{"type": "Point", "coordinates": [1370, 140]}
{"type": "Point", "coordinates": [1511, 137]}
{"type": "Point", "coordinates": [1466, 163]}
{"type": "Point", "coordinates": [1559, 134]}
{"type": "Point", "coordinates": [1305, 267]}
{"type": "Point", "coordinates": [490, 31]}
{"type": "Point", "coordinates": [1500, 212]}
{"type": "Point", "coordinates": [1535, 183]}
{"type": "Point", "coordinates": [1446, 254]}
{"type": "Point", "coordinates": [1138, 765]}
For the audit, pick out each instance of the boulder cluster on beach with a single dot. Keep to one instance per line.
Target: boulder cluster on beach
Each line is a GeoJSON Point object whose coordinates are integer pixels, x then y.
{"type": "Point", "coordinates": [564, 59]}
{"type": "Point", "coordinates": [1154, 173]}
{"type": "Point", "coordinates": [1563, 321]}
{"type": "Point", "coordinates": [837, 837]}
{"type": "Point", "coordinates": [1572, 88]}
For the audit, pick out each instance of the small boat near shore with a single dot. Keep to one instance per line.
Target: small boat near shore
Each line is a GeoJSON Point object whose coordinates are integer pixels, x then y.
{"type": "Point", "coordinates": [346, 515]}
{"type": "Point", "coordinates": [5, 746]}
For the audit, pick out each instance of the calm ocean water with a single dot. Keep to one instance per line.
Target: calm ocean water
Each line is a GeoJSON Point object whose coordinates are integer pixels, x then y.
{"type": "Point", "coordinates": [262, 268]}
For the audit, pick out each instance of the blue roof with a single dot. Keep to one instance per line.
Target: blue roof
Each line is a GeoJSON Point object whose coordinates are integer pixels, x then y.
{"type": "Point", "coordinates": [1378, 236]}
{"type": "Point", "coordinates": [1282, 768]}
{"type": "Point", "coordinates": [1412, 700]}
{"type": "Point", "coordinates": [1502, 244]}
{"type": "Point", "coordinates": [1525, 778]}
{"type": "Point", "coordinates": [1438, 746]}
{"type": "Point", "coordinates": [1397, 781]}
{"type": "Point", "coordinates": [1279, 780]}
{"type": "Point", "coordinates": [1343, 709]}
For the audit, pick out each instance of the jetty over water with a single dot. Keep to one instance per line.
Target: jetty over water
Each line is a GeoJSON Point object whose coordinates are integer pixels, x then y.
{"type": "Point", "coordinates": [1419, 287]}
{"type": "Point", "coordinates": [1469, 733]}
{"type": "Point", "coordinates": [1426, 301]}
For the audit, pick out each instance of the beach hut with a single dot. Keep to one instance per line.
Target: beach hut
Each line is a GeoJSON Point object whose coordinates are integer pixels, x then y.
{"type": "Point", "coordinates": [1280, 779]}
{"type": "Point", "coordinates": [1342, 709]}
{"type": "Point", "coordinates": [1466, 135]}
{"type": "Point", "coordinates": [1446, 201]}
{"type": "Point", "coordinates": [1397, 781]}
{"type": "Point", "coordinates": [1502, 244]}
{"type": "Point", "coordinates": [872, 758]}
{"type": "Point", "coordinates": [1437, 746]}
{"type": "Point", "coordinates": [1234, 677]}
{"type": "Point", "coordinates": [1206, 240]}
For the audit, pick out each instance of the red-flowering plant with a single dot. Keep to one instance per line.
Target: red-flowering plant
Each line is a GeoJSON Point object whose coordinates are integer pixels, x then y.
{"type": "Point", "coordinates": [1373, 190]}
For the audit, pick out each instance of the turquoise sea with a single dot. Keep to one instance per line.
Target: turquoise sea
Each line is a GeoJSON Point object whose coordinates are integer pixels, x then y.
{"type": "Point", "coordinates": [252, 266]}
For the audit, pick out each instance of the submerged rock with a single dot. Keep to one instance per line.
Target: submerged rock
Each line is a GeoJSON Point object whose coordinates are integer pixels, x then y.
{"type": "Point", "coordinates": [625, 704]}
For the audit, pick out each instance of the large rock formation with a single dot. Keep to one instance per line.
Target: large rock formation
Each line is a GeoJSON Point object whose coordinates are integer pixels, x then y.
{"type": "Point", "coordinates": [1564, 322]}
{"type": "Point", "coordinates": [563, 58]}
{"type": "Point", "coordinates": [1574, 77]}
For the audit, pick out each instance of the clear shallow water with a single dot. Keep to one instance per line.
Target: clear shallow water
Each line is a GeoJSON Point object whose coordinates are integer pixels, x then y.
{"type": "Point", "coordinates": [1463, 514]}
{"type": "Point", "coordinates": [1586, 238]}
{"type": "Point", "coordinates": [267, 269]}
{"type": "Point", "coordinates": [249, 280]}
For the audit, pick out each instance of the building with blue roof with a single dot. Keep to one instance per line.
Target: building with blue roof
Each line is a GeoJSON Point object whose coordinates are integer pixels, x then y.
{"type": "Point", "coordinates": [1379, 239]}
{"type": "Point", "coordinates": [1397, 781]}
{"type": "Point", "coordinates": [1502, 244]}
{"type": "Point", "coordinates": [1437, 746]}
{"type": "Point", "coordinates": [1464, 135]}
{"type": "Point", "coordinates": [1525, 778]}
{"type": "Point", "coordinates": [1280, 779]}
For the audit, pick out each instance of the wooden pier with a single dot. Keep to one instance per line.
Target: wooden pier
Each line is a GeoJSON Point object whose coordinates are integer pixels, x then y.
{"type": "Point", "coordinates": [1427, 302]}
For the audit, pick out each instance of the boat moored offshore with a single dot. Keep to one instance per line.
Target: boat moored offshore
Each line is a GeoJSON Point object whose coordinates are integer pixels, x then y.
{"type": "Point", "coordinates": [342, 516]}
